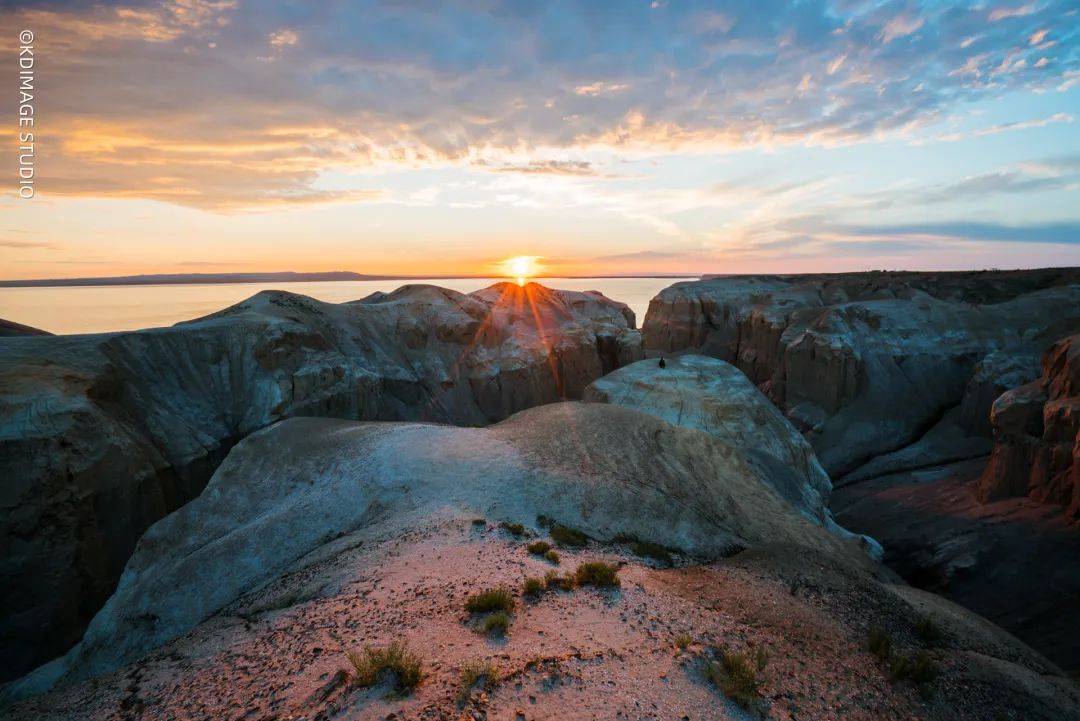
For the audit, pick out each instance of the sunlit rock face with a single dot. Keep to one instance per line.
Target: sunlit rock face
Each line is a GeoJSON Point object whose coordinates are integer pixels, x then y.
{"type": "Point", "coordinates": [1037, 434]}
{"type": "Point", "coordinates": [290, 489]}
{"type": "Point", "coordinates": [708, 394]}
{"type": "Point", "coordinates": [865, 363]}
{"type": "Point", "coordinates": [101, 435]}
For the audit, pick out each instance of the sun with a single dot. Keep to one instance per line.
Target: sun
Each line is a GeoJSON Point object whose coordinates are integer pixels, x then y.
{"type": "Point", "coordinates": [521, 267]}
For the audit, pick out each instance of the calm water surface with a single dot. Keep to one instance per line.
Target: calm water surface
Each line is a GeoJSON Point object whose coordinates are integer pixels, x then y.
{"type": "Point", "coordinates": [96, 309]}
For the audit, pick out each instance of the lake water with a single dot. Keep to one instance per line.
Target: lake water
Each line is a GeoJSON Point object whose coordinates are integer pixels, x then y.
{"type": "Point", "coordinates": [96, 309]}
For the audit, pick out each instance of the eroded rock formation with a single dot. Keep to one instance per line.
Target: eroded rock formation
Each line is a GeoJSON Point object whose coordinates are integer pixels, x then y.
{"type": "Point", "coordinates": [101, 435]}
{"type": "Point", "coordinates": [866, 363]}
{"type": "Point", "coordinates": [708, 394]}
{"type": "Point", "coordinates": [287, 490]}
{"type": "Point", "coordinates": [1037, 435]}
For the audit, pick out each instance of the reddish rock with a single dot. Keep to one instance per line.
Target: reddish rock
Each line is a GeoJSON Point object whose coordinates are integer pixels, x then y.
{"type": "Point", "coordinates": [1036, 452]}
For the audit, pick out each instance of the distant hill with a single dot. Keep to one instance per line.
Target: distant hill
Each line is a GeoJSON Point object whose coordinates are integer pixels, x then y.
{"type": "Point", "coordinates": [282, 277]}
{"type": "Point", "coordinates": [189, 278]}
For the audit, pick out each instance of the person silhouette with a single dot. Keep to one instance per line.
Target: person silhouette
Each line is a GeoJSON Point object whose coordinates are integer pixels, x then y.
{"type": "Point", "coordinates": [663, 363]}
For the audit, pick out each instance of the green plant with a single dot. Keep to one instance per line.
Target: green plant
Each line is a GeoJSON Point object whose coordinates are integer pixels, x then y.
{"type": "Point", "coordinates": [370, 665]}
{"type": "Point", "coordinates": [568, 537]}
{"type": "Point", "coordinates": [515, 529]}
{"type": "Point", "coordinates": [479, 521]}
{"type": "Point", "coordinates": [648, 549]}
{"type": "Point", "coordinates": [475, 671]}
{"type": "Point", "coordinates": [533, 586]}
{"type": "Point", "coordinates": [493, 599]}
{"type": "Point", "coordinates": [538, 548]}
{"type": "Point", "coordinates": [928, 632]}
{"type": "Point", "coordinates": [683, 640]}
{"type": "Point", "coordinates": [496, 624]}
{"type": "Point", "coordinates": [552, 556]}
{"type": "Point", "coordinates": [736, 675]}
{"type": "Point", "coordinates": [561, 582]}
{"type": "Point", "coordinates": [545, 521]}
{"type": "Point", "coordinates": [879, 644]}
{"type": "Point", "coordinates": [920, 669]}
{"type": "Point", "coordinates": [597, 573]}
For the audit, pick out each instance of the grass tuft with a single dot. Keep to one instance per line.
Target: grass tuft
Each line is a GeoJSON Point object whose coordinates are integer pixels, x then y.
{"type": "Point", "coordinates": [479, 521]}
{"type": "Point", "coordinates": [373, 663]}
{"type": "Point", "coordinates": [929, 632]}
{"type": "Point", "coordinates": [493, 599]}
{"type": "Point", "coordinates": [683, 640]}
{"type": "Point", "coordinates": [560, 582]}
{"type": "Point", "coordinates": [533, 586]}
{"type": "Point", "coordinates": [496, 624]}
{"type": "Point", "coordinates": [736, 675]}
{"type": "Point", "coordinates": [515, 529]}
{"type": "Point", "coordinates": [538, 548]}
{"type": "Point", "coordinates": [648, 549]}
{"type": "Point", "coordinates": [568, 537]}
{"type": "Point", "coordinates": [879, 644]}
{"type": "Point", "coordinates": [485, 672]}
{"type": "Point", "coordinates": [597, 573]}
{"type": "Point", "coordinates": [552, 556]}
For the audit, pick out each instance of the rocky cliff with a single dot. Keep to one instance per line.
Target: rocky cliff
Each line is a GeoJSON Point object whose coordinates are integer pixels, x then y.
{"type": "Point", "coordinates": [285, 491]}
{"type": "Point", "coordinates": [708, 394]}
{"type": "Point", "coordinates": [866, 363]}
{"type": "Point", "coordinates": [101, 435]}
{"type": "Point", "coordinates": [320, 537]}
{"type": "Point", "coordinates": [1037, 435]}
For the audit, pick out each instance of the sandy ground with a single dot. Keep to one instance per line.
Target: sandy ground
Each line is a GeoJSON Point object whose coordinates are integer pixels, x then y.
{"type": "Point", "coordinates": [278, 653]}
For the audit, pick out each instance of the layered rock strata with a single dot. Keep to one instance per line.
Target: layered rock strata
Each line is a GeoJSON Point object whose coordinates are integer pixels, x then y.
{"type": "Point", "coordinates": [101, 435]}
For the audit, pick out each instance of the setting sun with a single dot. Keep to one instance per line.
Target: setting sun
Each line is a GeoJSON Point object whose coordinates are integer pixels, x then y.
{"type": "Point", "coordinates": [522, 267]}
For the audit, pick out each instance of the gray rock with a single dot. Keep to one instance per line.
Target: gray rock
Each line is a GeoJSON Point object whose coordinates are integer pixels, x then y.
{"type": "Point", "coordinates": [993, 375]}
{"type": "Point", "coordinates": [287, 490]}
{"type": "Point", "coordinates": [699, 392]}
{"type": "Point", "coordinates": [868, 375]}
{"type": "Point", "coordinates": [101, 435]}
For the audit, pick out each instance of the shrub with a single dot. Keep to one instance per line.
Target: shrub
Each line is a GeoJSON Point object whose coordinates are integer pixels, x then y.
{"type": "Point", "coordinates": [373, 663]}
{"type": "Point", "coordinates": [497, 624]}
{"type": "Point", "coordinates": [568, 537]}
{"type": "Point", "coordinates": [475, 671]}
{"type": "Point", "coordinates": [515, 529]}
{"type": "Point", "coordinates": [879, 644]}
{"type": "Point", "coordinates": [647, 549]}
{"type": "Point", "coordinates": [562, 583]}
{"type": "Point", "coordinates": [683, 640]}
{"type": "Point", "coordinates": [597, 573]}
{"type": "Point", "coordinates": [928, 632]}
{"type": "Point", "coordinates": [920, 669]}
{"type": "Point", "coordinates": [479, 521]}
{"type": "Point", "coordinates": [538, 548]}
{"type": "Point", "coordinates": [533, 586]}
{"type": "Point", "coordinates": [736, 675]}
{"type": "Point", "coordinates": [552, 556]}
{"type": "Point", "coordinates": [545, 521]}
{"type": "Point", "coordinates": [494, 599]}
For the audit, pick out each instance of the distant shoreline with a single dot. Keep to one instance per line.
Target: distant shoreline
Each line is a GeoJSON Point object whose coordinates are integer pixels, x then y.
{"type": "Point", "coordinates": [283, 277]}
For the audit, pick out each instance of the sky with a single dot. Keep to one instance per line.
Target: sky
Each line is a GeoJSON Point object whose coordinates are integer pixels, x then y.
{"type": "Point", "coordinates": [652, 136]}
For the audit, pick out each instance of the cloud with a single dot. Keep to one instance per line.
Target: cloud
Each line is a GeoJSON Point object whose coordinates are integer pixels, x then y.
{"type": "Point", "coordinates": [1064, 233]}
{"type": "Point", "coordinates": [1001, 128]}
{"type": "Point", "coordinates": [899, 27]}
{"type": "Point", "coordinates": [600, 88]}
{"type": "Point", "coordinates": [203, 119]}
{"type": "Point", "coordinates": [547, 167]}
{"type": "Point", "coordinates": [27, 244]}
{"type": "Point", "coordinates": [283, 38]}
{"type": "Point", "coordinates": [1002, 13]}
